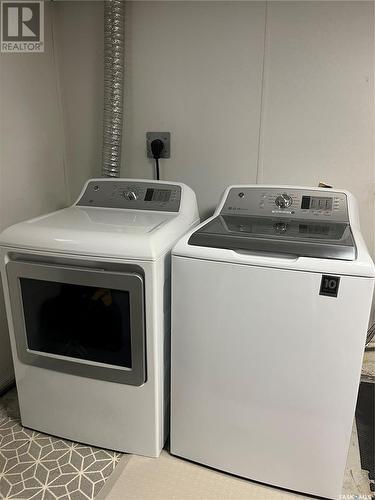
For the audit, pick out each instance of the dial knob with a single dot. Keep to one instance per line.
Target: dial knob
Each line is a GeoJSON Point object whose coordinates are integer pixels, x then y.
{"type": "Point", "coordinates": [130, 195]}
{"type": "Point", "coordinates": [283, 201]}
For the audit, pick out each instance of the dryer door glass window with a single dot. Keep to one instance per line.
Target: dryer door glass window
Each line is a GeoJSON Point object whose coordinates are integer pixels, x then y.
{"type": "Point", "coordinates": [86, 322]}
{"type": "Point", "coordinates": [83, 322]}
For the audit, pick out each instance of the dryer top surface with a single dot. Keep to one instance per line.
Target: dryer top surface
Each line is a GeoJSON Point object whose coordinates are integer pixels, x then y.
{"type": "Point", "coordinates": [127, 232]}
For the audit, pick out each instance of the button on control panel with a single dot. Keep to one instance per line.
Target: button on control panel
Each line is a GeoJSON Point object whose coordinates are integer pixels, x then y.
{"type": "Point", "coordinates": [137, 195]}
{"type": "Point", "coordinates": [287, 202]}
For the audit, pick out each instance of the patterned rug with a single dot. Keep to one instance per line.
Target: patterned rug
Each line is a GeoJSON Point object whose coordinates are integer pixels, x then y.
{"type": "Point", "coordinates": [40, 467]}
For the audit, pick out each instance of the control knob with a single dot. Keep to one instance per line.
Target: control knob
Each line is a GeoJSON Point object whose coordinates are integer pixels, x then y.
{"type": "Point", "coordinates": [130, 195]}
{"type": "Point", "coordinates": [283, 201]}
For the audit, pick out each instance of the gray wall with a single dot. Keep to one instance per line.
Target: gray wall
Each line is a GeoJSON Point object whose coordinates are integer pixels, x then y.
{"type": "Point", "coordinates": [273, 92]}
{"type": "Point", "coordinates": [78, 28]}
{"type": "Point", "coordinates": [32, 169]}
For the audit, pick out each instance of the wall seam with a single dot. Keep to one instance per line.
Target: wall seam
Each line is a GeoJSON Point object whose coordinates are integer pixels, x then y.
{"type": "Point", "coordinates": [60, 106]}
{"type": "Point", "coordinates": [259, 177]}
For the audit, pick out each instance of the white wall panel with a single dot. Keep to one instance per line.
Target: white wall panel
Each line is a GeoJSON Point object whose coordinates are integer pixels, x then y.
{"type": "Point", "coordinates": [79, 41]}
{"type": "Point", "coordinates": [32, 169]}
{"type": "Point", "coordinates": [318, 102]}
{"type": "Point", "coordinates": [194, 69]}
{"type": "Point", "coordinates": [32, 178]}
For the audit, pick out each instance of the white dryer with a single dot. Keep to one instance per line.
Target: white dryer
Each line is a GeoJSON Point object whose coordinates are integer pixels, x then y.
{"type": "Point", "coordinates": [87, 293]}
{"type": "Point", "coordinates": [270, 305]}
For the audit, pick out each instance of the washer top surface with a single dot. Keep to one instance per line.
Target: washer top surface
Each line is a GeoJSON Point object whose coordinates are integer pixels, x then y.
{"type": "Point", "coordinates": [283, 226]}
{"type": "Point", "coordinates": [116, 218]}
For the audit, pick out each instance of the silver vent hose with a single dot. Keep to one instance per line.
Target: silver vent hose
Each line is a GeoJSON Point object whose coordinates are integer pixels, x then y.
{"type": "Point", "coordinates": [114, 17]}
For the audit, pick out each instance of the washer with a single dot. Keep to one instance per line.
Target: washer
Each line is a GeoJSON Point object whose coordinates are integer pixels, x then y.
{"type": "Point", "coordinates": [270, 305]}
{"type": "Point", "coordinates": [87, 293]}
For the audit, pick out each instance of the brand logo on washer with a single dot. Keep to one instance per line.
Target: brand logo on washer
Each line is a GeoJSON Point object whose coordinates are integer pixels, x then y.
{"type": "Point", "coordinates": [329, 285]}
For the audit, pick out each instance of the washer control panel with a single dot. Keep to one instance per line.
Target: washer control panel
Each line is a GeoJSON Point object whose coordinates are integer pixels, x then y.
{"type": "Point", "coordinates": [287, 202]}
{"type": "Point", "coordinates": [283, 200]}
{"type": "Point", "coordinates": [136, 195]}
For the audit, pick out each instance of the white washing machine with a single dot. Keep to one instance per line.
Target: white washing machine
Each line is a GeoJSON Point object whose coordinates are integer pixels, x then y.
{"type": "Point", "coordinates": [87, 292]}
{"type": "Point", "coordinates": [270, 305]}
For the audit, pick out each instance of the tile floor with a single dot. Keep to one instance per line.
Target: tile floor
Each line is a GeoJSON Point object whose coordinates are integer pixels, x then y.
{"type": "Point", "coordinates": [40, 467]}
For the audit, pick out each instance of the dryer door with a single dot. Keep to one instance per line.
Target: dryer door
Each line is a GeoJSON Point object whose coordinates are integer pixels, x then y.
{"type": "Point", "coordinates": [88, 322]}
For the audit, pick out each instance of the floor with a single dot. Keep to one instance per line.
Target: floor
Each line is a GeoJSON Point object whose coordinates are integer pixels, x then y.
{"type": "Point", "coordinates": [40, 467]}
{"type": "Point", "coordinates": [170, 478]}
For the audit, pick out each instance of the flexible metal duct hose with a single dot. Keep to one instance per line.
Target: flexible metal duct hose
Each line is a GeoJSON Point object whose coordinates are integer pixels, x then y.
{"type": "Point", "coordinates": [114, 17]}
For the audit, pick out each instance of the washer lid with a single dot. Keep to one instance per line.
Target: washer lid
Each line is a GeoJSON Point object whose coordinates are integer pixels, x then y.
{"type": "Point", "coordinates": [305, 238]}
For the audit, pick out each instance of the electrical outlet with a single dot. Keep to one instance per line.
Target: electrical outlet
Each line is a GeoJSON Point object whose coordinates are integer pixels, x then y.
{"type": "Point", "coordinates": [163, 136]}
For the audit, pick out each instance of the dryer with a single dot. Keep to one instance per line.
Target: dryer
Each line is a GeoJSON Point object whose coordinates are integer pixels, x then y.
{"type": "Point", "coordinates": [270, 305]}
{"type": "Point", "coordinates": [87, 292]}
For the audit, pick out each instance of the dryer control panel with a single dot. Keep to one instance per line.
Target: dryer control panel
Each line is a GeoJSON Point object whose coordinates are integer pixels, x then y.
{"type": "Point", "coordinates": [285, 202]}
{"type": "Point", "coordinates": [135, 195]}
